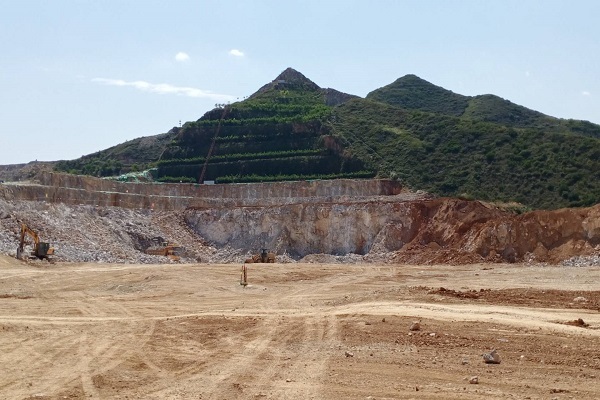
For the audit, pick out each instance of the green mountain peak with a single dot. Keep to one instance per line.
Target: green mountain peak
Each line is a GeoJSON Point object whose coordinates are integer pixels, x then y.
{"type": "Point", "coordinates": [414, 93]}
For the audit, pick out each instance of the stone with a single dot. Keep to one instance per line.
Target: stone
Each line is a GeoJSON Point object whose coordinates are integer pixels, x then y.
{"type": "Point", "coordinates": [474, 380]}
{"type": "Point", "coordinates": [349, 354]}
{"type": "Point", "coordinates": [416, 326]}
{"type": "Point", "coordinates": [492, 357]}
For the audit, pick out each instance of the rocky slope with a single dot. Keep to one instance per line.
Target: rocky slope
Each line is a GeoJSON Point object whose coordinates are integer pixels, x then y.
{"type": "Point", "coordinates": [405, 230]}
{"type": "Point", "coordinates": [393, 226]}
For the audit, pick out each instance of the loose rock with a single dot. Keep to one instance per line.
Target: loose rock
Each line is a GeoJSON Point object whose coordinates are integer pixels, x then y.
{"type": "Point", "coordinates": [492, 357]}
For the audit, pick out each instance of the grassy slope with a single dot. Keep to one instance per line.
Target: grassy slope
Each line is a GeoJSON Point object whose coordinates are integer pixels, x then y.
{"type": "Point", "coordinates": [459, 156]}
{"type": "Point", "coordinates": [413, 93]}
{"type": "Point", "coordinates": [133, 155]}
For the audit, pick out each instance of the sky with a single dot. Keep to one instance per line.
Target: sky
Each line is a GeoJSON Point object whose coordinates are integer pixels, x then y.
{"type": "Point", "coordinates": [80, 76]}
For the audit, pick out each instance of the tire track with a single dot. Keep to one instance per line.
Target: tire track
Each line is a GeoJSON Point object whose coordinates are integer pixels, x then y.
{"type": "Point", "coordinates": [226, 367]}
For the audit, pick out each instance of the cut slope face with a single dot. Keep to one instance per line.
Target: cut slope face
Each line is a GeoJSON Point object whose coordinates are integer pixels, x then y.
{"type": "Point", "coordinates": [414, 231]}
{"type": "Point", "coordinates": [481, 147]}
{"type": "Point", "coordinates": [367, 220]}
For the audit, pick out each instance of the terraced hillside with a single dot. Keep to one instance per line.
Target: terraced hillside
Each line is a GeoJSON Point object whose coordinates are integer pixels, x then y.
{"type": "Point", "coordinates": [277, 134]}
{"type": "Point", "coordinates": [430, 138]}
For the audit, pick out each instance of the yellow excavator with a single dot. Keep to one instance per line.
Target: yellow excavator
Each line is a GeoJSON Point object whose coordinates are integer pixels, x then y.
{"type": "Point", "coordinates": [165, 249]}
{"type": "Point", "coordinates": [264, 257]}
{"type": "Point", "coordinates": [41, 250]}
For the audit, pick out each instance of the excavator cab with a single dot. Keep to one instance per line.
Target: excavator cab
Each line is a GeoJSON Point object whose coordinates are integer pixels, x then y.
{"type": "Point", "coordinates": [43, 250]}
{"type": "Point", "coordinates": [266, 256]}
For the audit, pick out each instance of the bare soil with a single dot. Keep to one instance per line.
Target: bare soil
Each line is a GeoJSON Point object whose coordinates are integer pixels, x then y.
{"type": "Point", "coordinates": [297, 331]}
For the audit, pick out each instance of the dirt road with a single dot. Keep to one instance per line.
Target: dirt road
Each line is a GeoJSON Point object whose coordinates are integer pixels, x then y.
{"type": "Point", "coordinates": [297, 331]}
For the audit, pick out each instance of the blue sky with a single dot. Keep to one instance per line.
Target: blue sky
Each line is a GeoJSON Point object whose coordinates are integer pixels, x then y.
{"type": "Point", "coordinates": [80, 76]}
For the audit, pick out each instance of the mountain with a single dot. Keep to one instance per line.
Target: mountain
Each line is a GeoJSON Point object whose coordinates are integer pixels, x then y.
{"type": "Point", "coordinates": [430, 138]}
{"type": "Point", "coordinates": [278, 133]}
{"type": "Point", "coordinates": [454, 156]}
{"type": "Point", "coordinates": [413, 93]}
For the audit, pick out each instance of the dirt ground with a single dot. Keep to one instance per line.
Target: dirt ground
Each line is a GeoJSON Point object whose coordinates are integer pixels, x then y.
{"type": "Point", "coordinates": [297, 331]}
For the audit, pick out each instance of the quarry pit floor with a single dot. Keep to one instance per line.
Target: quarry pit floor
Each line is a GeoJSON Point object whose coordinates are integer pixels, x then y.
{"type": "Point", "coordinates": [297, 331]}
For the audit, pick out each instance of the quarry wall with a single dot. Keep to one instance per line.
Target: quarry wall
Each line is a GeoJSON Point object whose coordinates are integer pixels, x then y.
{"type": "Point", "coordinates": [372, 218]}
{"type": "Point", "coordinates": [77, 189]}
{"type": "Point", "coordinates": [424, 231]}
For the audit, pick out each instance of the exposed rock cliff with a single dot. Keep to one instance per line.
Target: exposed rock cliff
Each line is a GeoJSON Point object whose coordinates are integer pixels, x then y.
{"type": "Point", "coordinates": [365, 220]}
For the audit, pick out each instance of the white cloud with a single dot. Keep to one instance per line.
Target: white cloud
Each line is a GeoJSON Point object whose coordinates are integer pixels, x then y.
{"type": "Point", "coordinates": [236, 53]}
{"type": "Point", "coordinates": [527, 73]}
{"type": "Point", "coordinates": [165, 88]}
{"type": "Point", "coordinates": [182, 57]}
{"type": "Point", "coordinates": [586, 93]}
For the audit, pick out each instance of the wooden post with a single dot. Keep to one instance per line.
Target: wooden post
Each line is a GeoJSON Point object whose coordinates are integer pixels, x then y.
{"type": "Point", "coordinates": [244, 277]}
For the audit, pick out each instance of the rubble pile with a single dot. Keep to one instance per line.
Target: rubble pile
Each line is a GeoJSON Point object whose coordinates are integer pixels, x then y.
{"type": "Point", "coordinates": [583, 261]}
{"type": "Point", "coordinates": [91, 234]}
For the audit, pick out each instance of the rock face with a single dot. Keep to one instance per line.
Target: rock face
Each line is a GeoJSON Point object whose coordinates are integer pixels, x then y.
{"type": "Point", "coordinates": [78, 189]}
{"type": "Point", "coordinates": [349, 220]}
{"type": "Point", "coordinates": [421, 231]}
{"type": "Point", "coordinates": [302, 229]}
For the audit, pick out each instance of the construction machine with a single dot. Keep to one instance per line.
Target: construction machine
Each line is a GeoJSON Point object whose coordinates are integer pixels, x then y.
{"type": "Point", "coordinates": [264, 257]}
{"type": "Point", "coordinates": [165, 249]}
{"type": "Point", "coordinates": [41, 250]}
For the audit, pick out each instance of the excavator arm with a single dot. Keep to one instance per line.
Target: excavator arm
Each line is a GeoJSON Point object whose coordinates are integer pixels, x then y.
{"type": "Point", "coordinates": [26, 230]}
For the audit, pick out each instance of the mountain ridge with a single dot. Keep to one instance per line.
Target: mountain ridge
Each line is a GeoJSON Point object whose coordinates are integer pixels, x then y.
{"type": "Point", "coordinates": [431, 138]}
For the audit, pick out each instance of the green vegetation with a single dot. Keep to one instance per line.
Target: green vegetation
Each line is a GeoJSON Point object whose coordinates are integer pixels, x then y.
{"type": "Point", "coordinates": [452, 156]}
{"type": "Point", "coordinates": [481, 147]}
{"type": "Point", "coordinates": [413, 93]}
{"type": "Point", "coordinates": [492, 108]}
{"type": "Point", "coordinates": [131, 156]}
{"type": "Point", "coordinates": [176, 179]}
{"type": "Point", "coordinates": [279, 133]}
{"type": "Point", "coordinates": [296, 177]}
{"type": "Point", "coordinates": [241, 156]}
